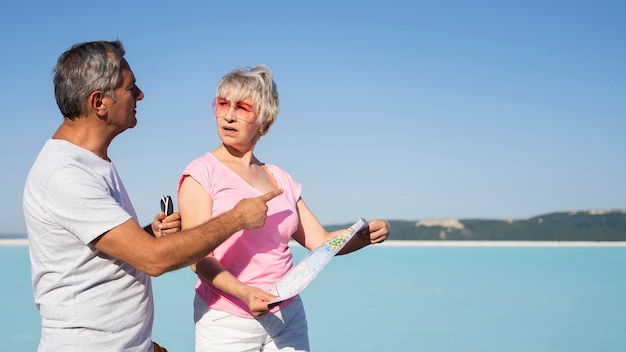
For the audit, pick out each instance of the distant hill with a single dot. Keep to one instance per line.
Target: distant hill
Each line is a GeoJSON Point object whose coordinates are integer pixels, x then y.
{"type": "Point", "coordinates": [11, 236]}
{"type": "Point", "coordinates": [595, 225]}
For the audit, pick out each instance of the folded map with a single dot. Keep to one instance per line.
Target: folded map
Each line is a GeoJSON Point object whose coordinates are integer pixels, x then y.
{"type": "Point", "coordinates": [303, 273]}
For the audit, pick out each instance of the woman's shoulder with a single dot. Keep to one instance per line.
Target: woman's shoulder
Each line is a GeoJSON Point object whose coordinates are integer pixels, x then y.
{"type": "Point", "coordinates": [276, 169]}
{"type": "Point", "coordinates": [279, 172]}
{"type": "Point", "coordinates": [205, 164]}
{"type": "Point", "coordinates": [204, 160]}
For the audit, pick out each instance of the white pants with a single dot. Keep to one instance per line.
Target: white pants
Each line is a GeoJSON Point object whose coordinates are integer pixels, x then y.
{"type": "Point", "coordinates": [285, 330]}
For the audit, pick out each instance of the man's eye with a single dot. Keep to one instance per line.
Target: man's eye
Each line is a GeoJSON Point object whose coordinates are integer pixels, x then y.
{"type": "Point", "coordinates": [222, 103]}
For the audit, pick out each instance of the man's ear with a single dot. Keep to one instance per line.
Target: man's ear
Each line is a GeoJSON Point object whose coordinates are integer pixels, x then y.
{"type": "Point", "coordinates": [96, 102]}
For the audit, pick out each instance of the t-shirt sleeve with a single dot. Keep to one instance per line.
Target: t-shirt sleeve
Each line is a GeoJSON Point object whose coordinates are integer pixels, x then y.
{"type": "Point", "coordinates": [200, 169]}
{"type": "Point", "coordinates": [83, 204]}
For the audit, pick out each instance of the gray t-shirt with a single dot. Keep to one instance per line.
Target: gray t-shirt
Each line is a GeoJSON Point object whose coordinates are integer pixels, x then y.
{"type": "Point", "coordinates": [88, 301]}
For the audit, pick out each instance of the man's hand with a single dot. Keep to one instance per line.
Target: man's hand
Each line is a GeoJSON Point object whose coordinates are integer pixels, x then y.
{"type": "Point", "coordinates": [165, 225]}
{"type": "Point", "coordinates": [252, 212]}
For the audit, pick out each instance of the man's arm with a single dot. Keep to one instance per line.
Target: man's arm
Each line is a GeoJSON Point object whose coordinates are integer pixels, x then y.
{"type": "Point", "coordinates": [148, 229]}
{"type": "Point", "coordinates": [157, 255]}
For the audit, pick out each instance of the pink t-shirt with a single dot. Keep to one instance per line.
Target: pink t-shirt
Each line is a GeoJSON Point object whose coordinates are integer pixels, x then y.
{"type": "Point", "coordinates": [257, 257]}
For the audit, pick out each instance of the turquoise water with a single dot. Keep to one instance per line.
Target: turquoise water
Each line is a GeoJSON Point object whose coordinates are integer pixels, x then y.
{"type": "Point", "coordinates": [387, 298]}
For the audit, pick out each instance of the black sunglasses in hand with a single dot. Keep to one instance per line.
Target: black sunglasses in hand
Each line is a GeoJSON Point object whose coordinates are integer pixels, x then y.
{"type": "Point", "coordinates": [167, 206]}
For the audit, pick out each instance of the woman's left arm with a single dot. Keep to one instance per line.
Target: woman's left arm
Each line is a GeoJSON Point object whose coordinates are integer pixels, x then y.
{"type": "Point", "coordinates": [311, 234]}
{"type": "Point", "coordinates": [376, 231]}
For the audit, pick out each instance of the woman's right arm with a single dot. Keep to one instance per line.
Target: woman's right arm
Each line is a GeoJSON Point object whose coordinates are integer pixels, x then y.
{"type": "Point", "coordinates": [195, 206]}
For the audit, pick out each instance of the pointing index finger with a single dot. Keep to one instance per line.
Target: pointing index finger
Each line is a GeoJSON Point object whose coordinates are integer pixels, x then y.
{"type": "Point", "coordinates": [271, 194]}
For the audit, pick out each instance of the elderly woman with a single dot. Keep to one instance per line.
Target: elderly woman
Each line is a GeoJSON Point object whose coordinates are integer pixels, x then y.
{"type": "Point", "coordinates": [231, 305]}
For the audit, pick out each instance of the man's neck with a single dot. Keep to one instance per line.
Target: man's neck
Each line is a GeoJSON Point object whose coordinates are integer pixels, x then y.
{"type": "Point", "coordinates": [78, 132]}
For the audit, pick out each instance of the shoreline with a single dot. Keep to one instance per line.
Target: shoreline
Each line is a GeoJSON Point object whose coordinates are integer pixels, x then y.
{"type": "Point", "coordinates": [400, 243]}
{"type": "Point", "coordinates": [13, 242]}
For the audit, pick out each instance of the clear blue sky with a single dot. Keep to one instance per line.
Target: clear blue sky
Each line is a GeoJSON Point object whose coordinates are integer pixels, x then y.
{"type": "Point", "coordinates": [396, 109]}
